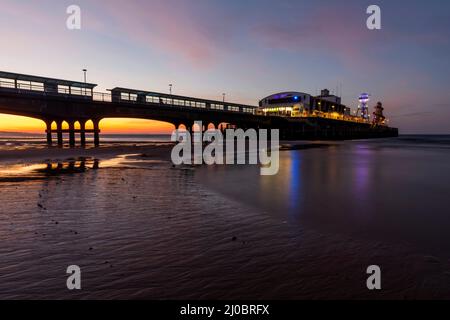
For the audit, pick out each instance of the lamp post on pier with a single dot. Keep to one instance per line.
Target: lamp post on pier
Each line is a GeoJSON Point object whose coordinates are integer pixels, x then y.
{"type": "Point", "coordinates": [85, 80]}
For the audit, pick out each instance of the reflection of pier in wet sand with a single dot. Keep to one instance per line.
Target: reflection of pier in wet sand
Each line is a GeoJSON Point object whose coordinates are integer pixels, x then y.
{"type": "Point", "coordinates": [70, 166]}
{"type": "Point", "coordinates": [17, 173]}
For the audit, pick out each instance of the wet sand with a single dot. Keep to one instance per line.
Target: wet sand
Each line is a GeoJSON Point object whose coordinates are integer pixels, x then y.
{"type": "Point", "coordinates": [141, 229]}
{"type": "Point", "coordinates": [160, 150]}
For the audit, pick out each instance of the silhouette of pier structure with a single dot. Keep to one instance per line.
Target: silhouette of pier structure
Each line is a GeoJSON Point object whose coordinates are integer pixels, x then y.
{"type": "Point", "coordinates": [67, 106]}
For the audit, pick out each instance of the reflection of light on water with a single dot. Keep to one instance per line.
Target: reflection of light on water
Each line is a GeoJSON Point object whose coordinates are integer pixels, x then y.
{"type": "Point", "coordinates": [79, 165]}
{"type": "Point", "coordinates": [362, 170]}
{"type": "Point", "coordinates": [42, 170]}
{"type": "Point", "coordinates": [363, 183]}
{"type": "Point", "coordinates": [21, 169]}
{"type": "Point", "coordinates": [114, 162]}
{"type": "Point", "coordinates": [295, 178]}
{"type": "Point", "coordinates": [284, 188]}
{"type": "Point", "coordinates": [129, 161]}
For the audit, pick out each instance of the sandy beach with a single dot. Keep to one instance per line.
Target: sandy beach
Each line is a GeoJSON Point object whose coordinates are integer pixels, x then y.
{"type": "Point", "coordinates": [140, 228]}
{"type": "Point", "coordinates": [159, 150]}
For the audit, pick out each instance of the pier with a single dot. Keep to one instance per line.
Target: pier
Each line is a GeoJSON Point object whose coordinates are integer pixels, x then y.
{"type": "Point", "coordinates": [56, 102]}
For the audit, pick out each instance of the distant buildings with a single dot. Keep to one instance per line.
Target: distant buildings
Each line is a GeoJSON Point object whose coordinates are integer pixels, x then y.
{"type": "Point", "coordinates": [297, 104]}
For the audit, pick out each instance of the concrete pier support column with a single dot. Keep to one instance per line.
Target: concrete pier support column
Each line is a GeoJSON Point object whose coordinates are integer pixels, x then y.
{"type": "Point", "coordinates": [96, 132]}
{"type": "Point", "coordinates": [72, 133]}
{"type": "Point", "coordinates": [83, 133]}
{"type": "Point", "coordinates": [59, 132]}
{"type": "Point", "coordinates": [49, 132]}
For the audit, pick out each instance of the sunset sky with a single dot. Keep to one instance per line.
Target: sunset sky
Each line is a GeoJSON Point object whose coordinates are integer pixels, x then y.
{"type": "Point", "coordinates": [248, 49]}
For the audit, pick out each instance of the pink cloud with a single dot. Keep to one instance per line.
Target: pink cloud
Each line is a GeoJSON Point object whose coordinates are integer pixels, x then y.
{"type": "Point", "coordinates": [331, 30]}
{"type": "Point", "coordinates": [169, 28]}
{"type": "Point", "coordinates": [27, 12]}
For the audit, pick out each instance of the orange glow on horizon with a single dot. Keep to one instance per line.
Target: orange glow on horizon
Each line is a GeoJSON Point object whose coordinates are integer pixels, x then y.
{"type": "Point", "coordinates": [9, 123]}
{"type": "Point", "coordinates": [137, 126]}
{"type": "Point", "coordinates": [21, 124]}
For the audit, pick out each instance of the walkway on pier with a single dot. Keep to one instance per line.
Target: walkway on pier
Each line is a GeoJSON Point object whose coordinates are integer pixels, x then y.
{"type": "Point", "coordinates": [79, 103]}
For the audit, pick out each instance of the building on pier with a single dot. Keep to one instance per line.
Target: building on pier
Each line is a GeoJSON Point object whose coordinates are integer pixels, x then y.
{"type": "Point", "coordinates": [300, 104]}
{"type": "Point", "coordinates": [24, 82]}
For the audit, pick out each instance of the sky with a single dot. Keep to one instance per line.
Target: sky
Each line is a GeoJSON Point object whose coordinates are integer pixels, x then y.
{"type": "Point", "coordinates": [248, 49]}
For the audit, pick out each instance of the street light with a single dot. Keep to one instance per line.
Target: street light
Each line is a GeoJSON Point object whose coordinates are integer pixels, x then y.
{"type": "Point", "coordinates": [85, 77]}
{"type": "Point", "coordinates": [223, 96]}
{"type": "Point", "coordinates": [170, 88]}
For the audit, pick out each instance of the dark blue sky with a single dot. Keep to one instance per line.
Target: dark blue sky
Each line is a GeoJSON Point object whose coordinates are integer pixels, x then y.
{"type": "Point", "coordinates": [248, 49]}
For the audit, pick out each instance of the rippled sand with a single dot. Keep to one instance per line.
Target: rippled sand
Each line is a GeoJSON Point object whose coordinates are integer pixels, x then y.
{"type": "Point", "coordinates": [139, 228]}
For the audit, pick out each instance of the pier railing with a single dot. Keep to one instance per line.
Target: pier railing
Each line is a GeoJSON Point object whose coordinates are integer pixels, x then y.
{"type": "Point", "coordinates": [29, 88]}
{"type": "Point", "coordinates": [153, 100]}
{"type": "Point", "coordinates": [88, 94]}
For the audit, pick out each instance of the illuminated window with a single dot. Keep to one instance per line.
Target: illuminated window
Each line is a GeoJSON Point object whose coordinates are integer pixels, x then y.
{"type": "Point", "coordinates": [178, 102]}
{"type": "Point", "coordinates": [63, 89]}
{"type": "Point", "coordinates": [7, 83]}
{"type": "Point", "coordinates": [37, 86]}
{"type": "Point", "coordinates": [23, 85]}
{"type": "Point", "coordinates": [234, 109]}
{"type": "Point", "coordinates": [152, 99]}
{"type": "Point", "coordinates": [217, 106]}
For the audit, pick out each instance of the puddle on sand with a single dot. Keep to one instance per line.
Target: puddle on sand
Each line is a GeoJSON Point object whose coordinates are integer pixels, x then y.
{"type": "Point", "coordinates": [131, 161]}
{"type": "Point", "coordinates": [24, 172]}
